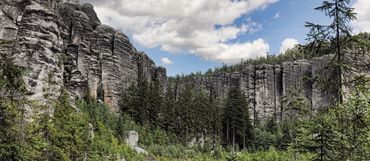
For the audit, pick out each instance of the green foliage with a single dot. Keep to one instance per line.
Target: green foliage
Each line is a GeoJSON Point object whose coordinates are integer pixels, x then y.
{"type": "Point", "coordinates": [289, 55]}
{"type": "Point", "coordinates": [237, 125]}
{"type": "Point", "coordinates": [169, 111]}
{"type": "Point", "coordinates": [264, 139]}
{"type": "Point", "coordinates": [318, 137]}
{"type": "Point", "coordinates": [333, 38]}
{"type": "Point", "coordinates": [105, 136]}
{"type": "Point", "coordinates": [169, 151]}
{"type": "Point", "coordinates": [11, 82]}
{"type": "Point", "coordinates": [270, 155]}
{"type": "Point", "coordinates": [12, 132]}
{"type": "Point", "coordinates": [340, 134]}
{"type": "Point", "coordinates": [10, 141]}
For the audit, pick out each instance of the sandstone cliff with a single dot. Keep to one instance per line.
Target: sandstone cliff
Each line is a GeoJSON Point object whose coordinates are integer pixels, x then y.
{"type": "Point", "coordinates": [266, 85]}
{"type": "Point", "coordinates": [63, 43]}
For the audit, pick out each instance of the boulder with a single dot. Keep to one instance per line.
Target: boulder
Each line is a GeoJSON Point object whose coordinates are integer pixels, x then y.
{"type": "Point", "coordinates": [132, 139]}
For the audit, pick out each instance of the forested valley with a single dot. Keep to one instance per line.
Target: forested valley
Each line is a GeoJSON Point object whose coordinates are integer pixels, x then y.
{"type": "Point", "coordinates": [191, 124]}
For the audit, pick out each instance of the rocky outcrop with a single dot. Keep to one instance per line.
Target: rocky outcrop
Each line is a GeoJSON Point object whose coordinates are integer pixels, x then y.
{"type": "Point", "coordinates": [265, 85]}
{"type": "Point", "coordinates": [64, 45]}
{"type": "Point", "coordinates": [132, 139]}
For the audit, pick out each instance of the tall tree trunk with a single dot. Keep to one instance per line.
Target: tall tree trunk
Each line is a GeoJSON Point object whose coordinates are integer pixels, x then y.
{"type": "Point", "coordinates": [233, 137]}
{"type": "Point", "coordinates": [227, 132]}
{"type": "Point", "coordinates": [244, 139]}
{"type": "Point", "coordinates": [339, 54]}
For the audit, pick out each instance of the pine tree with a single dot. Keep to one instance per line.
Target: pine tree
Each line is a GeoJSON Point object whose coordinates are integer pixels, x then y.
{"type": "Point", "coordinates": [185, 107]}
{"type": "Point", "coordinates": [200, 108]}
{"type": "Point", "coordinates": [353, 124]}
{"type": "Point", "coordinates": [143, 103]}
{"type": "Point", "coordinates": [10, 143]}
{"type": "Point", "coordinates": [168, 112]}
{"type": "Point", "coordinates": [12, 123]}
{"type": "Point", "coordinates": [319, 137]}
{"type": "Point", "coordinates": [216, 117]}
{"type": "Point", "coordinates": [69, 134]}
{"type": "Point", "coordinates": [135, 102]}
{"type": "Point", "coordinates": [248, 130]}
{"type": "Point", "coordinates": [295, 110]}
{"type": "Point", "coordinates": [155, 103]}
{"type": "Point", "coordinates": [230, 115]}
{"type": "Point", "coordinates": [129, 100]}
{"type": "Point", "coordinates": [332, 39]}
{"type": "Point", "coordinates": [237, 125]}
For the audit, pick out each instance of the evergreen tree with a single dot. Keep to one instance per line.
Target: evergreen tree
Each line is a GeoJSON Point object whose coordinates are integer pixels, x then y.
{"type": "Point", "coordinates": [332, 39]}
{"type": "Point", "coordinates": [248, 130]}
{"type": "Point", "coordinates": [295, 110]}
{"type": "Point", "coordinates": [155, 103]}
{"type": "Point", "coordinates": [237, 125]}
{"type": "Point", "coordinates": [142, 110]}
{"type": "Point", "coordinates": [319, 137]}
{"type": "Point", "coordinates": [185, 109]}
{"type": "Point", "coordinates": [200, 108]}
{"type": "Point", "coordinates": [69, 133]}
{"type": "Point", "coordinates": [353, 123]}
{"type": "Point", "coordinates": [135, 102]}
{"type": "Point", "coordinates": [129, 101]}
{"type": "Point", "coordinates": [168, 112]}
{"type": "Point", "coordinates": [12, 123]}
{"type": "Point", "coordinates": [216, 117]}
{"type": "Point", "coordinates": [10, 143]}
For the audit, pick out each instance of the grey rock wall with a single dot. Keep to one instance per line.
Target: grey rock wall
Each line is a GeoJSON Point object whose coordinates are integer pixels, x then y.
{"type": "Point", "coordinates": [265, 85]}
{"type": "Point", "coordinates": [64, 45]}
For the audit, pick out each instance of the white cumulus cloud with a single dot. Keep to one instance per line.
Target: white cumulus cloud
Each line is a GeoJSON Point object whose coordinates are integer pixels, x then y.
{"type": "Point", "coordinates": [362, 8]}
{"type": "Point", "coordinates": [201, 27]}
{"type": "Point", "coordinates": [288, 43]}
{"type": "Point", "coordinates": [166, 61]}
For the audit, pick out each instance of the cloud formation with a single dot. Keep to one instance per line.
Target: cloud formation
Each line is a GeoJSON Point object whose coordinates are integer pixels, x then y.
{"type": "Point", "coordinates": [201, 27]}
{"type": "Point", "coordinates": [287, 44]}
{"type": "Point", "coordinates": [362, 8]}
{"type": "Point", "coordinates": [166, 61]}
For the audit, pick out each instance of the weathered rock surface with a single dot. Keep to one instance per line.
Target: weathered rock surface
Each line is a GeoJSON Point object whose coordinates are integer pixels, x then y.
{"type": "Point", "coordinates": [62, 43]}
{"type": "Point", "coordinates": [132, 139]}
{"type": "Point", "coordinates": [265, 85]}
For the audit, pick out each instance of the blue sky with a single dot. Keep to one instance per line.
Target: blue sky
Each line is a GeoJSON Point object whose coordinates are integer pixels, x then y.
{"type": "Point", "coordinates": [192, 36]}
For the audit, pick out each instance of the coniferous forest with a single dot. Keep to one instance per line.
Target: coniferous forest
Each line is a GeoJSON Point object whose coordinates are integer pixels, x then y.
{"type": "Point", "coordinates": [192, 125]}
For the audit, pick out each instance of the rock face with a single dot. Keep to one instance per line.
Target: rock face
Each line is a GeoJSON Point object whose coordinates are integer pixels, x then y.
{"type": "Point", "coordinates": [132, 139]}
{"type": "Point", "coordinates": [64, 45]}
{"type": "Point", "coordinates": [265, 85]}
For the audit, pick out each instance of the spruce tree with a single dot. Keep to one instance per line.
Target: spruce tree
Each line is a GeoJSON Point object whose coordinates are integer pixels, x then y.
{"type": "Point", "coordinates": [319, 137]}
{"type": "Point", "coordinates": [143, 103]}
{"type": "Point", "coordinates": [237, 125]}
{"type": "Point", "coordinates": [351, 119]}
{"type": "Point", "coordinates": [185, 109]}
{"type": "Point", "coordinates": [155, 103]}
{"type": "Point", "coordinates": [332, 39]}
{"type": "Point", "coordinates": [216, 117]}
{"type": "Point", "coordinates": [168, 112]}
{"type": "Point", "coordinates": [69, 133]}
{"type": "Point", "coordinates": [200, 108]}
{"type": "Point", "coordinates": [12, 122]}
